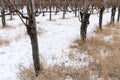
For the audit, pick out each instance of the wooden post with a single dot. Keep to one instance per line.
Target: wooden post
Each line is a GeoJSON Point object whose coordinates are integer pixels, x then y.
{"type": "Point", "coordinates": [33, 35]}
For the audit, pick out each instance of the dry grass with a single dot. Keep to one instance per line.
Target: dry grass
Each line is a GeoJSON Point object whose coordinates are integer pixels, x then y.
{"type": "Point", "coordinates": [108, 67]}
{"type": "Point", "coordinates": [104, 32]}
{"type": "Point", "coordinates": [109, 29]}
{"type": "Point", "coordinates": [4, 42]}
{"type": "Point", "coordinates": [92, 46]}
{"type": "Point", "coordinates": [55, 72]}
{"type": "Point", "coordinates": [104, 66]}
{"type": "Point", "coordinates": [6, 27]}
{"type": "Point", "coordinates": [105, 54]}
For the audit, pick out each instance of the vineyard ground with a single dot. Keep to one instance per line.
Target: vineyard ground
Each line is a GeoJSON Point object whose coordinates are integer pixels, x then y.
{"type": "Point", "coordinates": [54, 37]}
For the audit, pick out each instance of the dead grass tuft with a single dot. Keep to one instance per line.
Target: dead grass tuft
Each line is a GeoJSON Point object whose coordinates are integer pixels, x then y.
{"type": "Point", "coordinates": [4, 42]}
{"type": "Point", "coordinates": [40, 31]}
{"type": "Point", "coordinates": [116, 38]}
{"type": "Point", "coordinates": [19, 36]}
{"type": "Point", "coordinates": [104, 66]}
{"type": "Point", "coordinates": [6, 26]}
{"type": "Point", "coordinates": [55, 72]}
{"type": "Point", "coordinates": [104, 32]}
{"type": "Point", "coordinates": [92, 46]}
{"type": "Point", "coordinates": [109, 24]}
{"type": "Point", "coordinates": [106, 55]}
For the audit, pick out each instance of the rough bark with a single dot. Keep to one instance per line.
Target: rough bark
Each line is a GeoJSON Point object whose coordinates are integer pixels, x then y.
{"type": "Point", "coordinates": [76, 10]}
{"type": "Point", "coordinates": [65, 8]}
{"type": "Point", "coordinates": [3, 13]}
{"type": "Point", "coordinates": [101, 17]}
{"type": "Point", "coordinates": [85, 20]}
{"type": "Point", "coordinates": [50, 7]}
{"type": "Point", "coordinates": [118, 17]}
{"type": "Point", "coordinates": [113, 15]}
{"type": "Point", "coordinates": [31, 29]}
{"type": "Point", "coordinates": [84, 25]}
{"type": "Point", "coordinates": [10, 14]}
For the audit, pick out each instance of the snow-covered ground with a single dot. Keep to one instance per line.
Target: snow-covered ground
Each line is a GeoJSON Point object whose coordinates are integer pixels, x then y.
{"type": "Point", "coordinates": [53, 43]}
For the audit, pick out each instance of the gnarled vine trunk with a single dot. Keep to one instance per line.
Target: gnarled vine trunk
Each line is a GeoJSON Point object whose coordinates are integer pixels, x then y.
{"type": "Point", "coordinates": [31, 30]}
{"type": "Point", "coordinates": [118, 18]}
{"type": "Point", "coordinates": [3, 13]}
{"type": "Point", "coordinates": [85, 20]}
{"type": "Point", "coordinates": [101, 17]}
{"type": "Point", "coordinates": [113, 15]}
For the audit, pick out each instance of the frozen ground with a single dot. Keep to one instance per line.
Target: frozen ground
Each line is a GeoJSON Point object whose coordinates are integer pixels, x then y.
{"type": "Point", "coordinates": [53, 43]}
